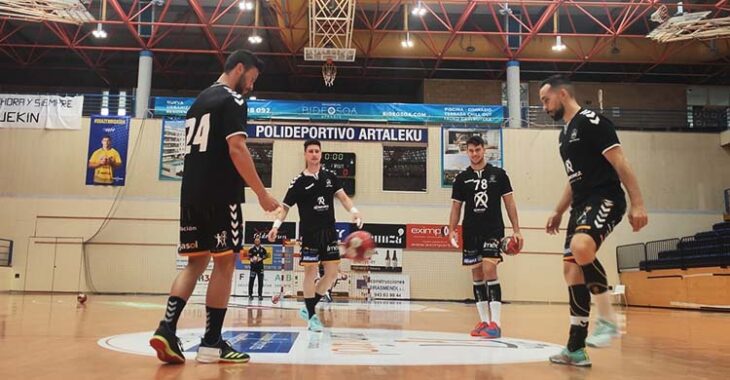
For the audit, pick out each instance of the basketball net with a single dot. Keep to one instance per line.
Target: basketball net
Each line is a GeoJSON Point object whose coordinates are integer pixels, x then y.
{"type": "Point", "coordinates": [660, 15]}
{"type": "Point", "coordinates": [329, 72]}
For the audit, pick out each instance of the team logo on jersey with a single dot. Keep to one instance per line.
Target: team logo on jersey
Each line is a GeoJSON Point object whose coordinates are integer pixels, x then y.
{"type": "Point", "coordinates": [220, 239]}
{"type": "Point", "coordinates": [480, 199]}
{"type": "Point", "coordinates": [492, 178]}
{"type": "Point", "coordinates": [321, 204]}
{"type": "Point", "coordinates": [574, 136]}
{"type": "Point", "coordinates": [328, 183]}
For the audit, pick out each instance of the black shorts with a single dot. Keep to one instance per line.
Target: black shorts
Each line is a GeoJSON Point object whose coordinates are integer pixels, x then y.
{"type": "Point", "coordinates": [319, 246]}
{"type": "Point", "coordinates": [596, 218]}
{"type": "Point", "coordinates": [480, 247]}
{"type": "Point", "coordinates": [217, 229]}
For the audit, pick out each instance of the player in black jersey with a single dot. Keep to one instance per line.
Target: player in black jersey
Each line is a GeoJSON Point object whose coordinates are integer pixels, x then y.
{"type": "Point", "coordinates": [217, 162]}
{"type": "Point", "coordinates": [256, 255]}
{"type": "Point", "coordinates": [482, 187]}
{"type": "Point", "coordinates": [313, 191]}
{"type": "Point", "coordinates": [596, 168]}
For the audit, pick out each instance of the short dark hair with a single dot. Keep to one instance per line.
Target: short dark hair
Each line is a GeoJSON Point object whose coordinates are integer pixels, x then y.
{"type": "Point", "coordinates": [106, 137]}
{"type": "Point", "coordinates": [475, 140]}
{"type": "Point", "coordinates": [246, 57]}
{"type": "Point", "coordinates": [558, 81]}
{"type": "Point", "coordinates": [312, 142]}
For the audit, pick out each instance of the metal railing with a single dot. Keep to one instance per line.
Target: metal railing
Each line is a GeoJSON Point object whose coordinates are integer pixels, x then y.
{"type": "Point", "coordinates": [630, 256]}
{"type": "Point", "coordinates": [6, 252]}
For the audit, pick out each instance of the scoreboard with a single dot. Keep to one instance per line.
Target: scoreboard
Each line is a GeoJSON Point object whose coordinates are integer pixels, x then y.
{"type": "Point", "coordinates": [343, 165]}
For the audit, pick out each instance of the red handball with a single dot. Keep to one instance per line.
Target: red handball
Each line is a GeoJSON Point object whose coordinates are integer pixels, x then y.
{"type": "Point", "coordinates": [81, 298]}
{"type": "Point", "coordinates": [509, 246]}
{"type": "Point", "coordinates": [359, 246]}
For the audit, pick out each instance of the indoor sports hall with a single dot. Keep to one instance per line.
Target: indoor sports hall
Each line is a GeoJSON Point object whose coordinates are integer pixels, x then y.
{"type": "Point", "coordinates": [435, 189]}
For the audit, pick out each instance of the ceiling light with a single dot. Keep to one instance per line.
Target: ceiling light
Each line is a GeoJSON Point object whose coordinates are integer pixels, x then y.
{"type": "Point", "coordinates": [559, 46]}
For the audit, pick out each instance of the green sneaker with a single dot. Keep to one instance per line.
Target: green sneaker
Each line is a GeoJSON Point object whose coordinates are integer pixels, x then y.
{"type": "Point", "coordinates": [578, 358]}
{"type": "Point", "coordinates": [314, 324]}
{"type": "Point", "coordinates": [603, 334]}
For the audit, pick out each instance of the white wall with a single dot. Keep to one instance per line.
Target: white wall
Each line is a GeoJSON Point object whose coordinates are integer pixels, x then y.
{"type": "Point", "coordinates": [42, 174]}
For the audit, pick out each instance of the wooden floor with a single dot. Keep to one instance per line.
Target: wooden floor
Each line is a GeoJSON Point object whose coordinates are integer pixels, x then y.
{"type": "Point", "coordinates": [49, 337]}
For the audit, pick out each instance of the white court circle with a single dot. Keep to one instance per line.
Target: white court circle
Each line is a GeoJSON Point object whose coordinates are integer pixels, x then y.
{"type": "Point", "coordinates": [347, 346]}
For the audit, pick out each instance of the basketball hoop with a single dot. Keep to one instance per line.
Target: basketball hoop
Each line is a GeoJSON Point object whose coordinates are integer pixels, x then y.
{"type": "Point", "coordinates": [329, 72]}
{"type": "Point", "coordinates": [660, 15]}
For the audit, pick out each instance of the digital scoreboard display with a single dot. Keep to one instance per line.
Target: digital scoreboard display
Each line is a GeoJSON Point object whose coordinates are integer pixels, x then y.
{"type": "Point", "coordinates": [343, 165]}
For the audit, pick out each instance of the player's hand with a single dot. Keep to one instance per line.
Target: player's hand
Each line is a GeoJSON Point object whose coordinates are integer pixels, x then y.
{"type": "Point", "coordinates": [102, 160]}
{"type": "Point", "coordinates": [268, 202]}
{"type": "Point", "coordinates": [638, 217]}
{"type": "Point", "coordinates": [553, 223]}
{"type": "Point", "coordinates": [272, 234]}
{"type": "Point", "coordinates": [520, 240]}
{"type": "Point", "coordinates": [454, 239]}
{"type": "Point", "coordinates": [357, 218]}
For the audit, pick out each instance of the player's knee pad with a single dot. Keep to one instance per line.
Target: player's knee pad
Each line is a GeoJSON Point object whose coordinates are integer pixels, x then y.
{"type": "Point", "coordinates": [480, 291]}
{"type": "Point", "coordinates": [595, 277]}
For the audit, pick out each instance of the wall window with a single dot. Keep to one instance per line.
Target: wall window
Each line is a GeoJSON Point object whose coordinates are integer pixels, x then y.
{"type": "Point", "coordinates": [404, 168]}
{"type": "Point", "coordinates": [262, 154]}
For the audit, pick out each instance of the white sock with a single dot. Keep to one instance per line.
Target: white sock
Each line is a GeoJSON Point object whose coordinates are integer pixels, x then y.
{"type": "Point", "coordinates": [603, 305]}
{"type": "Point", "coordinates": [496, 308]}
{"type": "Point", "coordinates": [483, 308]}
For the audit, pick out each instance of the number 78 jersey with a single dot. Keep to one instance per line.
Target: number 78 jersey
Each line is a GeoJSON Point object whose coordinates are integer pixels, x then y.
{"type": "Point", "coordinates": [481, 192]}
{"type": "Point", "coordinates": [209, 176]}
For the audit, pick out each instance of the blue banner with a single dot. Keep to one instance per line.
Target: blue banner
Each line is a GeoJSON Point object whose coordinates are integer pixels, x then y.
{"type": "Point", "coordinates": [107, 155]}
{"type": "Point", "coordinates": [166, 106]}
{"type": "Point", "coordinates": [372, 112]}
{"type": "Point", "coordinates": [338, 133]}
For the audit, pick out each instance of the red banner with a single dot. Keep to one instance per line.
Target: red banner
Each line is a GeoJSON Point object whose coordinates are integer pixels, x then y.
{"type": "Point", "coordinates": [430, 237]}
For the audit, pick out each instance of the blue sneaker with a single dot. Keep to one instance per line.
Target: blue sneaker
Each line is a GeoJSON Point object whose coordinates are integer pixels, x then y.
{"type": "Point", "coordinates": [603, 334]}
{"type": "Point", "coordinates": [314, 324]}
{"type": "Point", "coordinates": [304, 314]}
{"type": "Point", "coordinates": [493, 331]}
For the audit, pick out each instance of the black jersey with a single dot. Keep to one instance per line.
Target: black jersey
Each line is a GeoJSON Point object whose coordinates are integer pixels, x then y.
{"type": "Point", "coordinates": [582, 145]}
{"type": "Point", "coordinates": [481, 192]}
{"type": "Point", "coordinates": [314, 195]}
{"type": "Point", "coordinates": [210, 176]}
{"type": "Point", "coordinates": [259, 252]}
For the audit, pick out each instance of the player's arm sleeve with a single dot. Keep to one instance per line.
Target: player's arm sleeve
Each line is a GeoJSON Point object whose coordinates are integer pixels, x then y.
{"type": "Point", "coordinates": [292, 195]}
{"type": "Point", "coordinates": [602, 135]}
{"type": "Point", "coordinates": [506, 184]}
{"type": "Point", "coordinates": [234, 116]}
{"type": "Point", "coordinates": [336, 184]}
{"type": "Point", "coordinates": [457, 191]}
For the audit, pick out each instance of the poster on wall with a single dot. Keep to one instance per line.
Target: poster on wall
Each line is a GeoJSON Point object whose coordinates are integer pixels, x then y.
{"type": "Point", "coordinates": [431, 237]}
{"type": "Point", "coordinates": [107, 155]}
{"type": "Point", "coordinates": [40, 111]}
{"type": "Point", "coordinates": [172, 149]}
{"type": "Point", "coordinates": [172, 152]}
{"type": "Point", "coordinates": [454, 157]}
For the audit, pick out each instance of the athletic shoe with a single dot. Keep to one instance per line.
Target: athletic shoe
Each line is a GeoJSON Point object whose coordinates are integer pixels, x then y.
{"type": "Point", "coordinates": [493, 331]}
{"type": "Point", "coordinates": [304, 314]}
{"type": "Point", "coordinates": [578, 358]}
{"type": "Point", "coordinates": [221, 352]}
{"type": "Point", "coordinates": [477, 331]}
{"type": "Point", "coordinates": [261, 298]}
{"type": "Point", "coordinates": [602, 335]}
{"type": "Point", "coordinates": [167, 345]}
{"type": "Point", "coordinates": [314, 324]}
